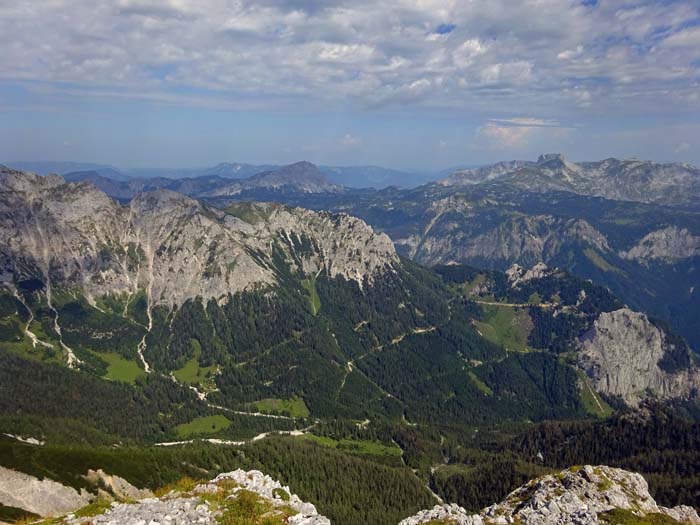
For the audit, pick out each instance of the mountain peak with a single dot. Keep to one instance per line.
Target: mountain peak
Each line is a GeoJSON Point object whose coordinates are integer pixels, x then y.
{"type": "Point", "coordinates": [303, 164]}
{"type": "Point", "coordinates": [303, 176]}
{"type": "Point", "coordinates": [15, 180]}
{"type": "Point", "coordinates": [548, 157]}
{"type": "Point", "coordinates": [302, 169]}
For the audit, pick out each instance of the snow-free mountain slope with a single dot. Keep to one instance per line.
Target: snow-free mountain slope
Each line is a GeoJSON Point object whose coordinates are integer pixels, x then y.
{"type": "Point", "coordinates": [628, 180]}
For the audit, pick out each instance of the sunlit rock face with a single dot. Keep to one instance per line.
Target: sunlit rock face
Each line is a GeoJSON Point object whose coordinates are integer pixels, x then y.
{"type": "Point", "coordinates": [626, 355]}
{"type": "Point", "coordinates": [582, 495]}
{"type": "Point", "coordinates": [169, 246]}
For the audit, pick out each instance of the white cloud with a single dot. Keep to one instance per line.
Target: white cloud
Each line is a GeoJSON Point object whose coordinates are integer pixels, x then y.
{"type": "Point", "coordinates": [516, 133]}
{"type": "Point", "coordinates": [682, 147]}
{"type": "Point", "coordinates": [528, 121]}
{"type": "Point", "coordinates": [570, 53]}
{"type": "Point", "coordinates": [350, 140]}
{"type": "Point", "coordinates": [348, 53]}
{"type": "Point", "coordinates": [465, 54]}
{"type": "Point", "coordinates": [506, 137]}
{"type": "Point", "coordinates": [686, 38]}
{"type": "Point", "coordinates": [498, 55]}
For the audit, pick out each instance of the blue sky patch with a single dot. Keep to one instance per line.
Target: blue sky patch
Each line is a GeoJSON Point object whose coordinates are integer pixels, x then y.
{"type": "Point", "coordinates": [444, 29]}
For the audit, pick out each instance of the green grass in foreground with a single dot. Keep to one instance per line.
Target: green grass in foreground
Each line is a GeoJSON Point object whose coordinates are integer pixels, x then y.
{"type": "Point", "coordinates": [295, 407]}
{"type": "Point", "coordinates": [120, 369]}
{"type": "Point", "coordinates": [626, 517]}
{"type": "Point", "coordinates": [204, 425]}
{"type": "Point", "coordinates": [371, 448]}
{"type": "Point", "coordinates": [506, 326]}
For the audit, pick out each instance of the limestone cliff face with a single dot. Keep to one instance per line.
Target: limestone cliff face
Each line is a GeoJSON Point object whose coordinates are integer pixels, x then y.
{"type": "Point", "coordinates": [626, 355]}
{"type": "Point", "coordinates": [43, 497]}
{"type": "Point", "coordinates": [669, 244]}
{"type": "Point", "coordinates": [522, 238]}
{"type": "Point", "coordinates": [167, 245]}
{"type": "Point", "coordinates": [582, 495]}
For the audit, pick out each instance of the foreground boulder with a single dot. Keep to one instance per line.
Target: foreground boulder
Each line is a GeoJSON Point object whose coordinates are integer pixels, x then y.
{"type": "Point", "coordinates": [581, 495]}
{"type": "Point", "coordinates": [234, 497]}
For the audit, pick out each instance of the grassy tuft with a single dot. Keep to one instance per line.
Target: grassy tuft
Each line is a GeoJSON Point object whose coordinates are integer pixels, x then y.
{"type": "Point", "coordinates": [184, 485]}
{"type": "Point", "coordinates": [626, 517]}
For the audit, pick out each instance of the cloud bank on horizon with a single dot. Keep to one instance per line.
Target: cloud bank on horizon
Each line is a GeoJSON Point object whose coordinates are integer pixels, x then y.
{"type": "Point", "coordinates": [482, 79]}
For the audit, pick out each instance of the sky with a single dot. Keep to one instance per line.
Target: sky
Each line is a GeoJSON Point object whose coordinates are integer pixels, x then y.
{"type": "Point", "coordinates": [410, 84]}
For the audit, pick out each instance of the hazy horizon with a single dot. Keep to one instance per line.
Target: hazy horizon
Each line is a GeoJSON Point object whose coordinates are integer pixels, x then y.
{"type": "Point", "coordinates": [214, 163]}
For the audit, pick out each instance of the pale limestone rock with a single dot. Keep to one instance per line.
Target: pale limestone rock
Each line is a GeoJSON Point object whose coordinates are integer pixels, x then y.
{"type": "Point", "coordinates": [268, 488]}
{"type": "Point", "coordinates": [168, 245]}
{"type": "Point", "coordinates": [118, 487]}
{"type": "Point", "coordinates": [190, 508]}
{"type": "Point", "coordinates": [517, 274]}
{"type": "Point", "coordinates": [452, 514]}
{"type": "Point", "coordinates": [44, 497]}
{"type": "Point", "coordinates": [576, 496]}
{"type": "Point", "coordinates": [621, 355]}
{"type": "Point", "coordinates": [668, 244]}
{"type": "Point", "coordinates": [525, 238]}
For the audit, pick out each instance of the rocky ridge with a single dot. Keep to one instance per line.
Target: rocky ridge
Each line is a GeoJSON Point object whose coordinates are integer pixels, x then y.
{"type": "Point", "coordinates": [522, 238]}
{"type": "Point", "coordinates": [227, 498]}
{"type": "Point", "coordinates": [46, 497]}
{"type": "Point", "coordinates": [630, 179]}
{"type": "Point", "coordinates": [581, 495]}
{"type": "Point", "coordinates": [168, 246]}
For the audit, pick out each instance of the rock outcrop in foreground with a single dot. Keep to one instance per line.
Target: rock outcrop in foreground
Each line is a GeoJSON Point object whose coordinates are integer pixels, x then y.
{"type": "Point", "coordinates": [577, 496]}
{"type": "Point", "coordinates": [581, 495]}
{"type": "Point", "coordinates": [233, 497]}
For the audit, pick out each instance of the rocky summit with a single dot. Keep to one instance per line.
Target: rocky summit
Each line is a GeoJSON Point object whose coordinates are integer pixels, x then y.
{"type": "Point", "coordinates": [73, 235]}
{"type": "Point", "coordinates": [577, 496]}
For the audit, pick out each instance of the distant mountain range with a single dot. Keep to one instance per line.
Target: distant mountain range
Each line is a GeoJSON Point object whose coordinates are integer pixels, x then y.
{"type": "Point", "coordinates": [617, 179]}
{"type": "Point", "coordinates": [61, 168]}
{"type": "Point", "coordinates": [301, 177]}
{"type": "Point", "coordinates": [349, 176]}
{"type": "Point", "coordinates": [627, 180]}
